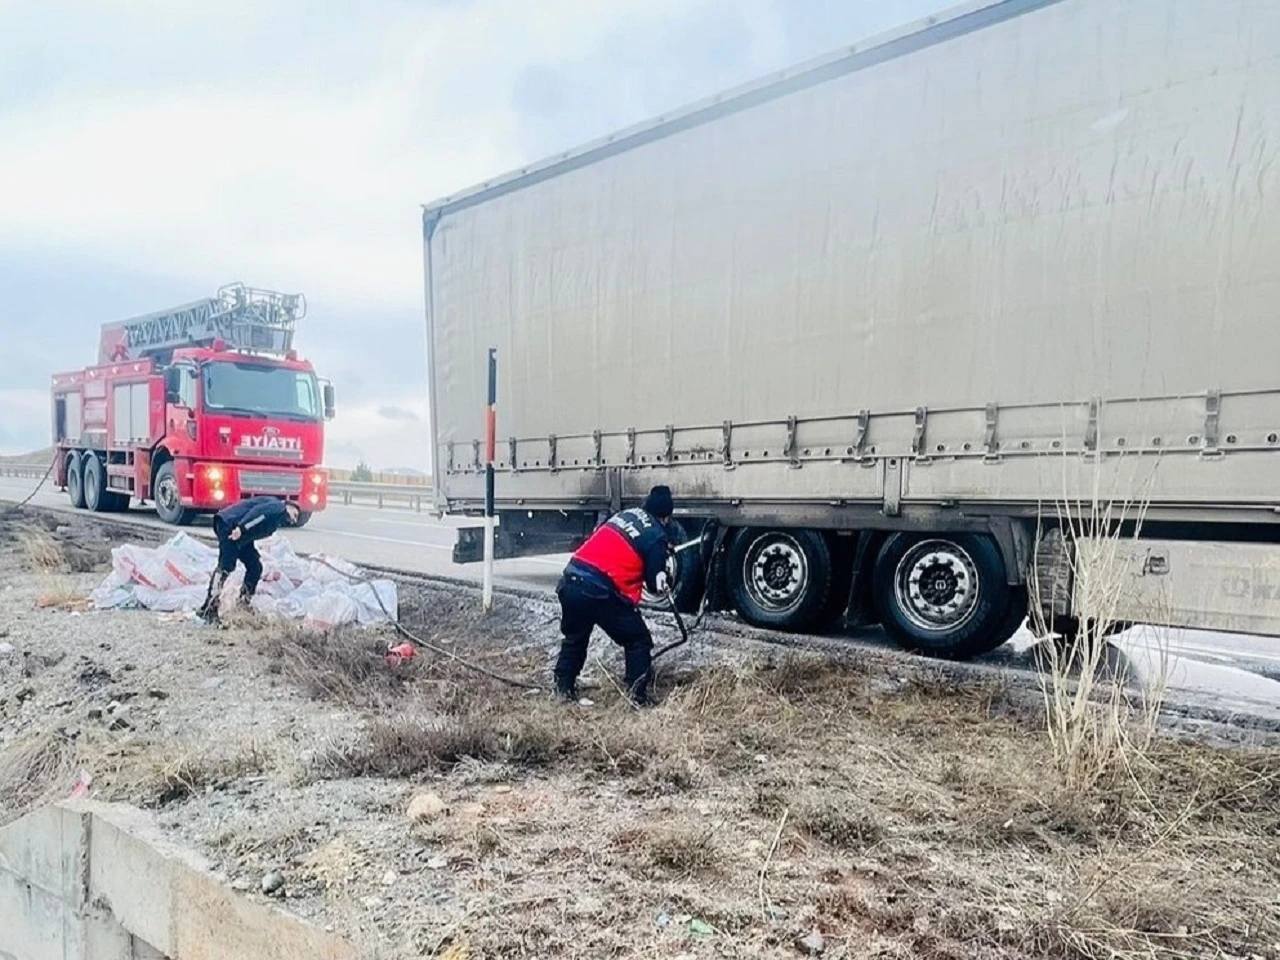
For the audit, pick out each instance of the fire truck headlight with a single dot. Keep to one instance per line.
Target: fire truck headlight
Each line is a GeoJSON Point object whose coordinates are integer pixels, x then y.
{"type": "Point", "coordinates": [317, 479]}
{"type": "Point", "coordinates": [213, 474]}
{"type": "Point", "coordinates": [219, 494]}
{"type": "Point", "coordinates": [314, 497]}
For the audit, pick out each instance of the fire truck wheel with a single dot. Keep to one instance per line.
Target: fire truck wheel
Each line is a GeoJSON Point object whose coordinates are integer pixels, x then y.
{"type": "Point", "coordinates": [303, 518]}
{"type": "Point", "coordinates": [168, 501]}
{"type": "Point", "coordinates": [75, 480]}
{"type": "Point", "coordinates": [98, 497]}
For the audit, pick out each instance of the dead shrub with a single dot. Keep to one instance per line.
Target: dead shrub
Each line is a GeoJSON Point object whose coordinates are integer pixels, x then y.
{"type": "Point", "coordinates": [666, 776]}
{"type": "Point", "coordinates": [58, 592]}
{"type": "Point", "coordinates": [838, 827]}
{"type": "Point", "coordinates": [684, 852]}
{"type": "Point", "coordinates": [409, 746]}
{"type": "Point", "coordinates": [169, 781]}
{"type": "Point", "coordinates": [345, 665]}
{"type": "Point", "coordinates": [32, 769]}
{"type": "Point", "coordinates": [42, 552]}
{"type": "Point", "coordinates": [804, 676]}
{"type": "Point", "coordinates": [1097, 727]}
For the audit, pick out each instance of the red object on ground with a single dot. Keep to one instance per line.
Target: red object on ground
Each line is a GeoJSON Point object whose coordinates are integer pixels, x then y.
{"type": "Point", "coordinates": [399, 654]}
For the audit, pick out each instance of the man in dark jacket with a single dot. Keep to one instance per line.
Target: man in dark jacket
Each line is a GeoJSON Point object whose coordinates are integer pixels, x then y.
{"type": "Point", "coordinates": [601, 588]}
{"type": "Point", "coordinates": [238, 527]}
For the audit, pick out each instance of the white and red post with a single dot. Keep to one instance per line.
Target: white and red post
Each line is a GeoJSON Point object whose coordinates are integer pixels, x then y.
{"type": "Point", "coordinates": [490, 448]}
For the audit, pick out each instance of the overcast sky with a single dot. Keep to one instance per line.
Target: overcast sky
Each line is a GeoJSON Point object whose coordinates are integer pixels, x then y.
{"type": "Point", "coordinates": [153, 150]}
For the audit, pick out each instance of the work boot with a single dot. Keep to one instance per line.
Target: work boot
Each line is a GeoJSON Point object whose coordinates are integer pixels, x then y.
{"type": "Point", "coordinates": [643, 701]}
{"type": "Point", "coordinates": [208, 611]}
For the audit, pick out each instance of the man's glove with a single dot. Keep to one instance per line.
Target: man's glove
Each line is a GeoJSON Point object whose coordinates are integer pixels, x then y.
{"type": "Point", "coordinates": [662, 582]}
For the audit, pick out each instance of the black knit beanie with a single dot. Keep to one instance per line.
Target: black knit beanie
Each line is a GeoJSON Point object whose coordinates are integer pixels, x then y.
{"type": "Point", "coordinates": [658, 503]}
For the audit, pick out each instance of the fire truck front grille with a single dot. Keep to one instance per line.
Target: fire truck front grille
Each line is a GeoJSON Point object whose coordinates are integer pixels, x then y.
{"type": "Point", "coordinates": [279, 483]}
{"type": "Point", "coordinates": [270, 453]}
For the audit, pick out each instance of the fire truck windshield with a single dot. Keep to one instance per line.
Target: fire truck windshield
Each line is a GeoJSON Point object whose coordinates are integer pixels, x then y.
{"type": "Point", "coordinates": [261, 390]}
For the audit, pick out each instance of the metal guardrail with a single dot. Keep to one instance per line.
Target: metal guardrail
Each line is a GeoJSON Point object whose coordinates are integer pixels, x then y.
{"type": "Point", "coordinates": [32, 471]}
{"type": "Point", "coordinates": [413, 496]}
{"type": "Point", "coordinates": [350, 490]}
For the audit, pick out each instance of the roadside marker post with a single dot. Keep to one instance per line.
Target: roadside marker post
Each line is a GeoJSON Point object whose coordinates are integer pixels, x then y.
{"type": "Point", "coordinates": [490, 445]}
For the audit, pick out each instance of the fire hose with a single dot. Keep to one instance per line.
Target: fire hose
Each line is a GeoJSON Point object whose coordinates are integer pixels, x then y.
{"type": "Point", "coordinates": [34, 490]}
{"type": "Point", "coordinates": [418, 642]}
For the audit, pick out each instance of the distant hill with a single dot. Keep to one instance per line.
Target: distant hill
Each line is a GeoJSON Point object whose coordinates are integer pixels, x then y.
{"type": "Point", "coordinates": [38, 456]}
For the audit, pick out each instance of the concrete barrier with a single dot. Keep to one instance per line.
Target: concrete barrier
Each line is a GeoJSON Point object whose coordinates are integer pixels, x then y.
{"type": "Point", "coordinates": [89, 881]}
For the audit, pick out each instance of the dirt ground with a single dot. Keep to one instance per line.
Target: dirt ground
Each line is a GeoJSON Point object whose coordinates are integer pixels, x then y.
{"type": "Point", "coordinates": [774, 805]}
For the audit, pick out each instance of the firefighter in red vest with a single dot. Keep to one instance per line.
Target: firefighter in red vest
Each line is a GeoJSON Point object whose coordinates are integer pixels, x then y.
{"type": "Point", "coordinates": [601, 588]}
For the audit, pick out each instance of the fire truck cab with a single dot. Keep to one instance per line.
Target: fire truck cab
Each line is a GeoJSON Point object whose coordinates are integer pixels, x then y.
{"type": "Point", "coordinates": [194, 408]}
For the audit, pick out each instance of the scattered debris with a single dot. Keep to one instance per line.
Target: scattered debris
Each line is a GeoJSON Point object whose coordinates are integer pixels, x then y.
{"type": "Point", "coordinates": [400, 653]}
{"type": "Point", "coordinates": [425, 807]}
{"type": "Point", "coordinates": [812, 944]}
{"type": "Point", "coordinates": [700, 928]}
{"type": "Point", "coordinates": [273, 883]}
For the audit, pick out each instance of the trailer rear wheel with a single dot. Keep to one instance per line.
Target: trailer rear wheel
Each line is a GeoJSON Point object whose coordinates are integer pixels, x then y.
{"type": "Point", "coordinates": [168, 500]}
{"type": "Point", "coordinates": [945, 595]}
{"type": "Point", "coordinates": [780, 578]}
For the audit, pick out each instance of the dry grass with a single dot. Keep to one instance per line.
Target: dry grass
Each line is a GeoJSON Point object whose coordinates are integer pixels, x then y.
{"type": "Point", "coordinates": [158, 780]}
{"type": "Point", "coordinates": [1099, 722]}
{"type": "Point", "coordinates": [345, 665]}
{"type": "Point", "coordinates": [46, 557]}
{"type": "Point", "coordinates": [34, 770]}
{"type": "Point", "coordinates": [927, 816]}
{"type": "Point", "coordinates": [41, 552]}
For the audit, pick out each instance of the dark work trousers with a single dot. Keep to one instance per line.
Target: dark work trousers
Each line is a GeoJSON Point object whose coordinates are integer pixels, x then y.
{"type": "Point", "coordinates": [584, 605]}
{"type": "Point", "coordinates": [244, 550]}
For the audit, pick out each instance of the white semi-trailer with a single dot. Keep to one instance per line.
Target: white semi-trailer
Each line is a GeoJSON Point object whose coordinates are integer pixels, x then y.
{"type": "Point", "coordinates": [883, 317]}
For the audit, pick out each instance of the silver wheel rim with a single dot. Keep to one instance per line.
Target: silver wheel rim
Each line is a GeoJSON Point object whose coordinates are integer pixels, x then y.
{"type": "Point", "coordinates": [936, 586]}
{"type": "Point", "coordinates": [167, 494]}
{"type": "Point", "coordinates": [776, 573]}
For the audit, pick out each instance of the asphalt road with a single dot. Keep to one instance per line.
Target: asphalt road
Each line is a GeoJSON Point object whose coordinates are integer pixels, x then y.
{"type": "Point", "coordinates": [1198, 663]}
{"type": "Point", "coordinates": [391, 537]}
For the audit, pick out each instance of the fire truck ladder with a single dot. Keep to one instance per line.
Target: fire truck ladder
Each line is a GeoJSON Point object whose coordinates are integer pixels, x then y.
{"type": "Point", "coordinates": [245, 318]}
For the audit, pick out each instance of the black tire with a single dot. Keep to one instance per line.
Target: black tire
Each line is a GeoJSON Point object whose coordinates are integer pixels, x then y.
{"type": "Point", "coordinates": [945, 595]}
{"type": "Point", "coordinates": [164, 490]}
{"type": "Point", "coordinates": [75, 480]}
{"type": "Point", "coordinates": [685, 571]}
{"type": "Point", "coordinates": [779, 579]}
{"type": "Point", "coordinates": [97, 496]}
{"type": "Point", "coordinates": [831, 617]}
{"type": "Point", "coordinates": [303, 518]}
{"type": "Point", "coordinates": [95, 484]}
{"type": "Point", "coordinates": [1016, 614]}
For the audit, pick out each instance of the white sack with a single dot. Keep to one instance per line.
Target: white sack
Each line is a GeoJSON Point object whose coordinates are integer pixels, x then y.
{"type": "Point", "coordinates": [175, 576]}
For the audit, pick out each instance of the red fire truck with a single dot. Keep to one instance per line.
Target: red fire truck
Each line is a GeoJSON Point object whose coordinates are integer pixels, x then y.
{"type": "Point", "coordinates": [195, 407]}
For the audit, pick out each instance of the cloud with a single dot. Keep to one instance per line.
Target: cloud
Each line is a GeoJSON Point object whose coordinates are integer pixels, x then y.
{"type": "Point", "coordinates": [154, 151]}
{"type": "Point", "coordinates": [396, 413]}
{"type": "Point", "coordinates": [25, 426]}
{"type": "Point", "coordinates": [364, 432]}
